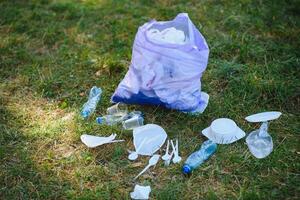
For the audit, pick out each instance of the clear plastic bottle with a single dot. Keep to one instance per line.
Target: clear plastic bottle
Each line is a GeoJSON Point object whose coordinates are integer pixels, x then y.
{"type": "Point", "coordinates": [90, 106]}
{"type": "Point", "coordinates": [260, 142]}
{"type": "Point", "coordinates": [208, 148]}
{"type": "Point", "coordinates": [109, 119]}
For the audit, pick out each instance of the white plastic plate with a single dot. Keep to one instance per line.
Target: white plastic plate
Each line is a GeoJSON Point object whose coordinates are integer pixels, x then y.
{"type": "Point", "coordinates": [263, 117]}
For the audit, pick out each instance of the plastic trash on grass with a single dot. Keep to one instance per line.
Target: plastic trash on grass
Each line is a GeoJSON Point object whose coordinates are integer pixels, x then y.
{"type": "Point", "coordinates": [208, 148]}
{"type": "Point", "coordinates": [148, 139]}
{"type": "Point", "coordinates": [140, 192]}
{"type": "Point", "coordinates": [92, 141]}
{"type": "Point", "coordinates": [133, 122]}
{"type": "Point", "coordinates": [90, 106]}
{"type": "Point", "coordinates": [259, 141]}
{"type": "Point", "coordinates": [223, 131]}
{"type": "Point", "coordinates": [152, 162]}
{"type": "Point", "coordinates": [166, 71]}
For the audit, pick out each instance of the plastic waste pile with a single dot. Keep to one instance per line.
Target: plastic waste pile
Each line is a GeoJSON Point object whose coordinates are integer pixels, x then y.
{"type": "Point", "coordinates": [167, 64]}
{"type": "Point", "coordinates": [118, 113]}
{"type": "Point", "coordinates": [149, 138]}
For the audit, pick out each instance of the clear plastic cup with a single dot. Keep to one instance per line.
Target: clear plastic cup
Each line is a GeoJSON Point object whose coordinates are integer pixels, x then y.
{"type": "Point", "coordinates": [117, 109]}
{"type": "Point", "coordinates": [133, 122]}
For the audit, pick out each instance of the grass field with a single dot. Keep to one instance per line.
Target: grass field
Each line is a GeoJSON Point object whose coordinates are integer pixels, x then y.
{"type": "Point", "coordinates": [53, 52]}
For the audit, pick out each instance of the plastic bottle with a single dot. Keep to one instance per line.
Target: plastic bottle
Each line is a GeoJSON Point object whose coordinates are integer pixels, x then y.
{"type": "Point", "coordinates": [109, 119]}
{"type": "Point", "coordinates": [260, 142]}
{"type": "Point", "coordinates": [90, 106]}
{"type": "Point", "coordinates": [207, 149]}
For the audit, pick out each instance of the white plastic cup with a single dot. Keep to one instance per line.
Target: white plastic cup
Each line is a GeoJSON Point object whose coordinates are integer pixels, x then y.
{"type": "Point", "coordinates": [133, 122]}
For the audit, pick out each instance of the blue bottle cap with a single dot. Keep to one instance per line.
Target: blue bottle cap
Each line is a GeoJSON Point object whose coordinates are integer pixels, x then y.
{"type": "Point", "coordinates": [99, 120]}
{"type": "Point", "coordinates": [186, 169]}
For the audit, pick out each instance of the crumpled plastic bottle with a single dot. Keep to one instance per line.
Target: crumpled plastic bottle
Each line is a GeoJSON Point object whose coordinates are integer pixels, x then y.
{"type": "Point", "coordinates": [90, 106]}
{"type": "Point", "coordinates": [260, 142]}
{"type": "Point", "coordinates": [208, 148]}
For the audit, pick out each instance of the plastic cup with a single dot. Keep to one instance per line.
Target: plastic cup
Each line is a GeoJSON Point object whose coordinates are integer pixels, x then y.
{"type": "Point", "coordinates": [133, 122]}
{"type": "Point", "coordinates": [117, 109]}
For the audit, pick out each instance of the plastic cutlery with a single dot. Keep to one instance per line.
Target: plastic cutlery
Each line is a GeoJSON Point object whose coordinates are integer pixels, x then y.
{"type": "Point", "coordinates": [167, 162]}
{"type": "Point", "coordinates": [176, 158]}
{"type": "Point", "coordinates": [167, 155]}
{"type": "Point", "coordinates": [152, 161]}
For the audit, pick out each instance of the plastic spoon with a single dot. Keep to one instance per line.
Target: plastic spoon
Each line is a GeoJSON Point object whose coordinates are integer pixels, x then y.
{"type": "Point", "coordinates": [167, 155]}
{"type": "Point", "coordinates": [152, 161]}
{"type": "Point", "coordinates": [167, 162]}
{"type": "Point", "coordinates": [134, 154]}
{"type": "Point", "coordinates": [176, 158]}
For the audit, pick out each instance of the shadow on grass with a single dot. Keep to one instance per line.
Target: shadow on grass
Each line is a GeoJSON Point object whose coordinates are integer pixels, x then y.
{"type": "Point", "coordinates": [20, 178]}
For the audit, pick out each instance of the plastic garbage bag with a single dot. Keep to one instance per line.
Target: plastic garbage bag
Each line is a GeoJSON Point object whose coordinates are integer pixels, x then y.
{"type": "Point", "coordinates": [166, 67]}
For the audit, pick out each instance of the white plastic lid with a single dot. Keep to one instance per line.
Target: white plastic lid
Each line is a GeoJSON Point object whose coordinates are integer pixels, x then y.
{"type": "Point", "coordinates": [264, 116]}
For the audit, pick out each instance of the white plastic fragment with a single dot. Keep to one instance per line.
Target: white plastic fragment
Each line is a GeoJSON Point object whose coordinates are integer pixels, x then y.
{"type": "Point", "coordinates": [263, 116]}
{"type": "Point", "coordinates": [140, 192]}
{"type": "Point", "coordinates": [92, 141]}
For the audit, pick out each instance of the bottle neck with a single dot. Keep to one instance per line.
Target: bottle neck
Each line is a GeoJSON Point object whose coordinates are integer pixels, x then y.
{"type": "Point", "coordinates": [263, 130]}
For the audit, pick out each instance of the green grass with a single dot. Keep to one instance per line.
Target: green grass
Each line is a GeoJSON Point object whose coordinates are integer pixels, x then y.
{"type": "Point", "coordinates": [53, 52]}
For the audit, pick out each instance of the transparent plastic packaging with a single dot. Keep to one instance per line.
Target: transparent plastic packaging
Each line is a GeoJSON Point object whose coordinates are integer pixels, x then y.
{"type": "Point", "coordinates": [260, 142]}
{"type": "Point", "coordinates": [117, 109]}
{"type": "Point", "coordinates": [133, 122]}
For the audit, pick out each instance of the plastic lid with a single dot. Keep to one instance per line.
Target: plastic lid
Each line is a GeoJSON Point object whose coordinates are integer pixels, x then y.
{"type": "Point", "coordinates": [263, 117]}
{"type": "Point", "coordinates": [99, 120]}
{"type": "Point", "coordinates": [186, 169]}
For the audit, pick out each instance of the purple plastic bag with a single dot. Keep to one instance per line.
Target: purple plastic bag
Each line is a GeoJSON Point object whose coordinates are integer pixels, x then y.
{"type": "Point", "coordinates": [166, 74]}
